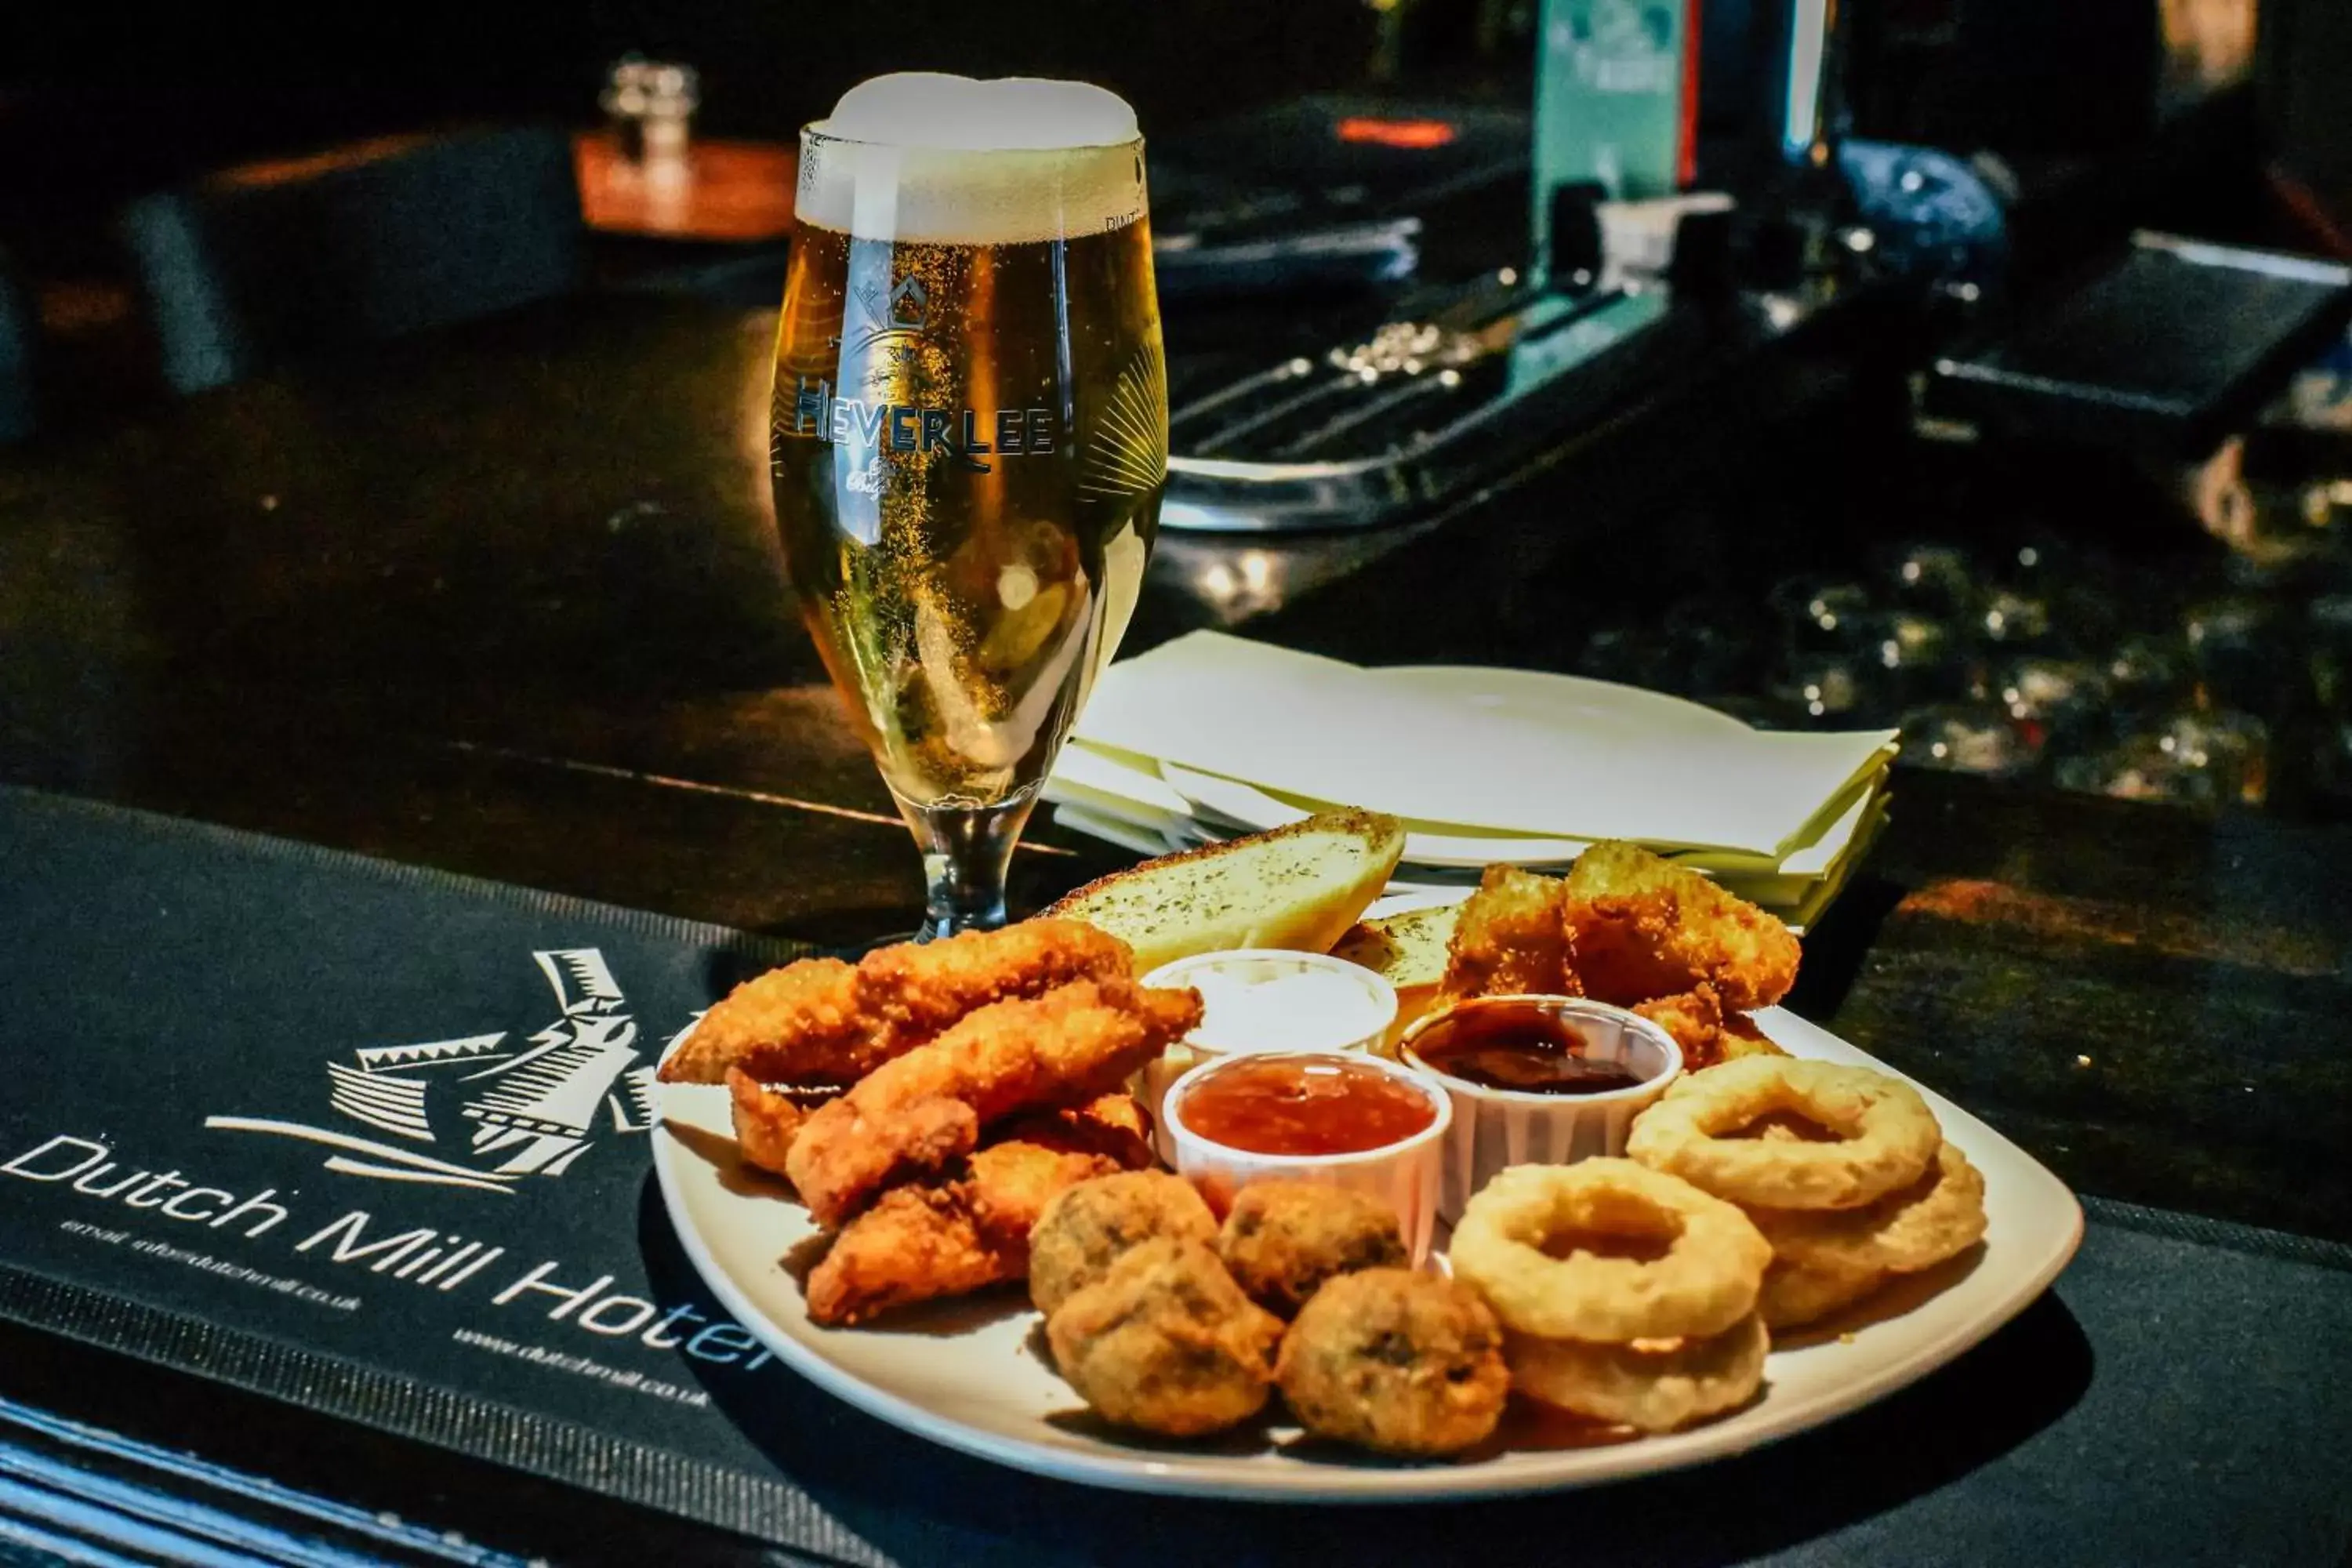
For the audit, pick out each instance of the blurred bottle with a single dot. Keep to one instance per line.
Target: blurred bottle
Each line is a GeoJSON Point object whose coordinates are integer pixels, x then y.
{"type": "Point", "coordinates": [2197, 756]}
{"type": "Point", "coordinates": [1818, 614]}
{"type": "Point", "coordinates": [2059, 701]}
{"type": "Point", "coordinates": [1939, 580]}
{"type": "Point", "coordinates": [650, 105]}
{"type": "Point", "coordinates": [2014, 620]}
{"type": "Point", "coordinates": [2328, 624]}
{"type": "Point", "coordinates": [2244, 656]}
{"type": "Point", "coordinates": [2146, 674]}
{"type": "Point", "coordinates": [1980, 738]}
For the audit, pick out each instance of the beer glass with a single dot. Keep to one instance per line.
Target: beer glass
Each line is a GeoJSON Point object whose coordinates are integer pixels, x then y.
{"type": "Point", "coordinates": [970, 440]}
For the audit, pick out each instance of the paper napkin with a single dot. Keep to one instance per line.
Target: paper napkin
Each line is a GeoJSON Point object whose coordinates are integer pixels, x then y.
{"type": "Point", "coordinates": [1318, 730]}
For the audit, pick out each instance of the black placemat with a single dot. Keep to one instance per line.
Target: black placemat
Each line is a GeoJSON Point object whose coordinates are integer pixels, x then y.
{"type": "Point", "coordinates": [371, 1139]}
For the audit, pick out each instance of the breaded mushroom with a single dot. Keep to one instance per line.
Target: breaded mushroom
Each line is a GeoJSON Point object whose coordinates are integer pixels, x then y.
{"type": "Point", "coordinates": [1085, 1230]}
{"type": "Point", "coordinates": [1283, 1239]}
{"type": "Point", "coordinates": [1167, 1342]}
{"type": "Point", "coordinates": [1397, 1362]}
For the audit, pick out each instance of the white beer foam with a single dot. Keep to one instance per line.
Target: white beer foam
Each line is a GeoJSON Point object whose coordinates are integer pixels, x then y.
{"type": "Point", "coordinates": [927, 156]}
{"type": "Point", "coordinates": [957, 113]}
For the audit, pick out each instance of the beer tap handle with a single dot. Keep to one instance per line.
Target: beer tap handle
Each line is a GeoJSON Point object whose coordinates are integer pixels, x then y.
{"type": "Point", "coordinates": [1816, 119]}
{"type": "Point", "coordinates": [1576, 252]}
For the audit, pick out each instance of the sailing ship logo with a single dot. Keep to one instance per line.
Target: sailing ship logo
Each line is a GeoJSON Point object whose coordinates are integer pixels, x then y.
{"type": "Point", "coordinates": [506, 1109]}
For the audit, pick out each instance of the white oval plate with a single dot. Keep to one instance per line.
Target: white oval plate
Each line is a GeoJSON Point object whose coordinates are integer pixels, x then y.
{"type": "Point", "coordinates": [966, 1375]}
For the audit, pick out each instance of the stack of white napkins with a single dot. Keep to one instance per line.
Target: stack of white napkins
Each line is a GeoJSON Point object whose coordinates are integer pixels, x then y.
{"type": "Point", "coordinates": [1213, 735]}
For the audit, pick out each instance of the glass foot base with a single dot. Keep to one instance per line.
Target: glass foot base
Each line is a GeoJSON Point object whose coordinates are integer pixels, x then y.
{"type": "Point", "coordinates": [967, 851]}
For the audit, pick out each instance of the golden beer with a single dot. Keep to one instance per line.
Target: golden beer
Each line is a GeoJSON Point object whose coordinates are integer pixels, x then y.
{"type": "Point", "coordinates": [968, 445]}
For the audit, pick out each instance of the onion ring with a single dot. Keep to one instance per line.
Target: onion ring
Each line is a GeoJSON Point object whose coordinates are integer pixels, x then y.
{"type": "Point", "coordinates": [1653, 1385]}
{"type": "Point", "coordinates": [1705, 1282]}
{"type": "Point", "coordinates": [1939, 1216]}
{"type": "Point", "coordinates": [1798, 1293]}
{"type": "Point", "coordinates": [1886, 1135]}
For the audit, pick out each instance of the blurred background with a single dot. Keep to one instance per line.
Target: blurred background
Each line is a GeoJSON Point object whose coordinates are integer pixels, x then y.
{"type": "Point", "coordinates": [2138, 585]}
{"type": "Point", "coordinates": [117, 98]}
{"type": "Point", "coordinates": [100, 101]}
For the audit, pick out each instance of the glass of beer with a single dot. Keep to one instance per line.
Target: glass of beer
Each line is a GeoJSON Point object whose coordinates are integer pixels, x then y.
{"type": "Point", "coordinates": [969, 439]}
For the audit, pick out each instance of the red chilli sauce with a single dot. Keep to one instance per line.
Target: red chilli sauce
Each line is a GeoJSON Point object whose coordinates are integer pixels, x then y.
{"type": "Point", "coordinates": [1318, 1105]}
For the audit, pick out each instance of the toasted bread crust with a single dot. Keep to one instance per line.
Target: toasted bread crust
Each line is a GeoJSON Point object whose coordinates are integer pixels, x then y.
{"type": "Point", "coordinates": [1405, 948]}
{"type": "Point", "coordinates": [1372, 826]}
{"type": "Point", "coordinates": [1298, 887]}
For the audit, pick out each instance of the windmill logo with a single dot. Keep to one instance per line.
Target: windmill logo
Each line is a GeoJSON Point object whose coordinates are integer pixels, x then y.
{"type": "Point", "coordinates": [495, 1109]}
{"type": "Point", "coordinates": [900, 310]}
{"type": "Point", "coordinates": [910, 305]}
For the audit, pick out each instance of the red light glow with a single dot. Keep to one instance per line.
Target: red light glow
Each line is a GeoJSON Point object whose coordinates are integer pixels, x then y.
{"type": "Point", "coordinates": [1415, 135]}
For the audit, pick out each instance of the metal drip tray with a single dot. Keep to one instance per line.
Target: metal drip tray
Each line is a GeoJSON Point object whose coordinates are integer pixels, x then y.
{"type": "Point", "coordinates": [1452, 388]}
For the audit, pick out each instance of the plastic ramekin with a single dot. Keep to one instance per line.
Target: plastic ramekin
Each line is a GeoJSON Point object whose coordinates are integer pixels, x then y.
{"type": "Point", "coordinates": [1269, 966]}
{"type": "Point", "coordinates": [1404, 1175]}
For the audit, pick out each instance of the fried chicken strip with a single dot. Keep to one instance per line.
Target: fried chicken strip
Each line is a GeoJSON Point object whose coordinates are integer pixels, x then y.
{"type": "Point", "coordinates": [822, 1021]}
{"type": "Point", "coordinates": [920, 988]}
{"type": "Point", "coordinates": [919, 1242]}
{"type": "Point", "coordinates": [926, 1110]}
{"type": "Point", "coordinates": [766, 1120]}
{"type": "Point", "coordinates": [1510, 938]}
{"type": "Point", "coordinates": [806, 1010]}
{"type": "Point", "coordinates": [1640, 927]}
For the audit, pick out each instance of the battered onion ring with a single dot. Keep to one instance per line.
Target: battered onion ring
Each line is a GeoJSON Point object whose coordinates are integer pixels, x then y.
{"type": "Point", "coordinates": [1653, 1385]}
{"type": "Point", "coordinates": [1939, 1216]}
{"type": "Point", "coordinates": [1887, 1134]}
{"type": "Point", "coordinates": [1705, 1282]}
{"type": "Point", "coordinates": [1798, 1293]}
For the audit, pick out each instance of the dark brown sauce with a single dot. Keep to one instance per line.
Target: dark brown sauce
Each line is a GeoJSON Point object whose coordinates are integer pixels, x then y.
{"type": "Point", "coordinates": [1525, 1051]}
{"type": "Point", "coordinates": [1305, 1105]}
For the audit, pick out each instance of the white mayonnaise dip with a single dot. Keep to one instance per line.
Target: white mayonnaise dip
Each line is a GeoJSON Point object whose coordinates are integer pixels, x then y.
{"type": "Point", "coordinates": [1260, 1007]}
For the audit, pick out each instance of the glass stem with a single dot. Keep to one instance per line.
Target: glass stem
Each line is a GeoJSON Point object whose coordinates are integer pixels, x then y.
{"type": "Point", "coordinates": [967, 850]}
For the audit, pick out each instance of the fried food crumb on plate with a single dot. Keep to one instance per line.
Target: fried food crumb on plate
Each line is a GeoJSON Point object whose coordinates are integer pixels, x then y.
{"type": "Point", "coordinates": [1397, 1361]}
{"type": "Point", "coordinates": [1087, 1229]}
{"type": "Point", "coordinates": [1283, 1240]}
{"type": "Point", "coordinates": [1167, 1342]}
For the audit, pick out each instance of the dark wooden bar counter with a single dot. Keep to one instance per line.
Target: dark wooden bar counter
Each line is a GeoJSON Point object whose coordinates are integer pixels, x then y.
{"type": "Point", "coordinates": [505, 600]}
